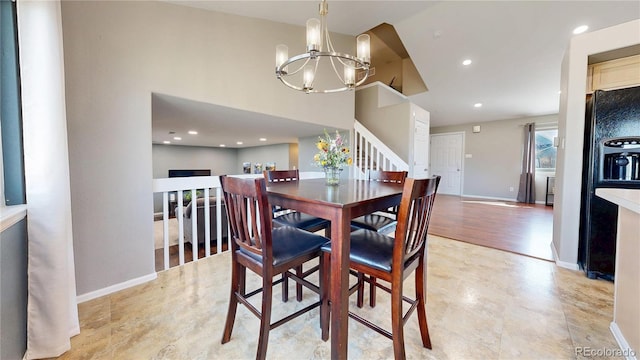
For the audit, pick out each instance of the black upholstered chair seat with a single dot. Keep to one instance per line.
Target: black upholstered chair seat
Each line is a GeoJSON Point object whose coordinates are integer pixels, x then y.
{"type": "Point", "coordinates": [370, 248]}
{"type": "Point", "coordinates": [290, 243]}
{"type": "Point", "coordinates": [374, 222]}
{"type": "Point", "coordinates": [301, 221]}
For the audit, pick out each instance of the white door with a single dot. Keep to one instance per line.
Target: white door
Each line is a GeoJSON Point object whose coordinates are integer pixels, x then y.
{"type": "Point", "coordinates": [446, 161]}
{"type": "Point", "coordinates": [420, 150]}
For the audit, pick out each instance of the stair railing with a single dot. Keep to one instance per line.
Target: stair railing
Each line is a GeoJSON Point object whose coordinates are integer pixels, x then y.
{"type": "Point", "coordinates": [372, 154]}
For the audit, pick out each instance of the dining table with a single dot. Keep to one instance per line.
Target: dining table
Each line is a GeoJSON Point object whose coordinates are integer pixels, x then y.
{"type": "Point", "coordinates": [339, 204]}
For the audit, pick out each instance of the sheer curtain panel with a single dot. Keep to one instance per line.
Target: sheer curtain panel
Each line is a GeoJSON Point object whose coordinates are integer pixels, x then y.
{"type": "Point", "coordinates": [527, 187]}
{"type": "Point", "coordinates": [52, 314]}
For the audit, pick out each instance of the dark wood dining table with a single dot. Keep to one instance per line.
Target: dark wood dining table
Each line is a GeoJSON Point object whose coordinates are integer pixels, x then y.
{"type": "Point", "coordinates": [339, 204]}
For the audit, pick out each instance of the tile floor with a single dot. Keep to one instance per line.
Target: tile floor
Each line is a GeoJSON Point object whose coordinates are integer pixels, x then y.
{"type": "Point", "coordinates": [482, 304]}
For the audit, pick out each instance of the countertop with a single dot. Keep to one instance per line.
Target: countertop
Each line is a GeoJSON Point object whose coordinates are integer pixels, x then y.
{"type": "Point", "coordinates": [627, 198]}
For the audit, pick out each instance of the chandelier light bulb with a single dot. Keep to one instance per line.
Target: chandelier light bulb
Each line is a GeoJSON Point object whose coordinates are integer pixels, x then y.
{"type": "Point", "coordinates": [363, 42]}
{"type": "Point", "coordinates": [349, 74]}
{"type": "Point", "coordinates": [308, 75]}
{"type": "Point", "coordinates": [314, 32]}
{"type": "Point", "coordinates": [282, 54]}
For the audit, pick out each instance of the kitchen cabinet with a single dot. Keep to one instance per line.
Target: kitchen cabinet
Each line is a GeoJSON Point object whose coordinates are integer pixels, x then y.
{"type": "Point", "coordinates": [613, 74]}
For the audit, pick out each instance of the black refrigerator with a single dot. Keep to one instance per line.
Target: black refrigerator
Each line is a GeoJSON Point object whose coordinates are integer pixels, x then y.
{"type": "Point", "coordinates": [611, 159]}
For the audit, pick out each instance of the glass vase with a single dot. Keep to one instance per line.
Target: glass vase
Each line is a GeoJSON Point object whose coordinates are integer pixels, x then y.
{"type": "Point", "coordinates": [332, 175]}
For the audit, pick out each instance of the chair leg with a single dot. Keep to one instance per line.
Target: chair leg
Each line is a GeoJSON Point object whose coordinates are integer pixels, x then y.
{"type": "Point", "coordinates": [372, 291]}
{"type": "Point", "coordinates": [360, 296]}
{"type": "Point", "coordinates": [421, 295]}
{"type": "Point", "coordinates": [327, 232]}
{"type": "Point", "coordinates": [397, 328]}
{"type": "Point", "coordinates": [298, 285]}
{"type": "Point", "coordinates": [265, 321]}
{"type": "Point", "coordinates": [285, 287]}
{"type": "Point", "coordinates": [325, 261]}
{"type": "Point", "coordinates": [237, 273]}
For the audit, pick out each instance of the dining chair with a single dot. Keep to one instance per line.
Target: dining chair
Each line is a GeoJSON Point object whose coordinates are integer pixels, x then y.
{"type": "Point", "coordinates": [381, 221]}
{"type": "Point", "coordinates": [267, 251]}
{"type": "Point", "coordinates": [286, 217]}
{"type": "Point", "coordinates": [394, 259]}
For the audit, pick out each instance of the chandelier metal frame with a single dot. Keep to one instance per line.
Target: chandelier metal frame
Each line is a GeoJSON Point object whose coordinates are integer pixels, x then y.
{"type": "Point", "coordinates": [315, 52]}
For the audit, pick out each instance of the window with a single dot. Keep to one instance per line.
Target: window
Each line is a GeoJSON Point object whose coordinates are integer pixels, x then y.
{"type": "Point", "coordinates": [545, 149]}
{"type": "Point", "coordinates": [12, 164]}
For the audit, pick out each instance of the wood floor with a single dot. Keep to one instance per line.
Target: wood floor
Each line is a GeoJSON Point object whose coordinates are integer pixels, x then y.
{"type": "Point", "coordinates": [525, 229]}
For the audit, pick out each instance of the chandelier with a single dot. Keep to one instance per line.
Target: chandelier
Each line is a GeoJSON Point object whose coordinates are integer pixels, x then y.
{"type": "Point", "coordinates": [319, 47]}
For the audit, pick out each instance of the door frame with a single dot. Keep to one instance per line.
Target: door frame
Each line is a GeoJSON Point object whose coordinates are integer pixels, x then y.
{"type": "Point", "coordinates": [412, 156]}
{"type": "Point", "coordinates": [462, 156]}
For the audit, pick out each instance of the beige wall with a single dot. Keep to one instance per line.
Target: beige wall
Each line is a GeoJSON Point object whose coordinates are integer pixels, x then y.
{"type": "Point", "coordinates": [278, 153]}
{"type": "Point", "coordinates": [387, 117]}
{"type": "Point", "coordinates": [496, 157]}
{"type": "Point", "coordinates": [566, 211]}
{"type": "Point", "coordinates": [219, 160]}
{"type": "Point", "coordinates": [116, 54]}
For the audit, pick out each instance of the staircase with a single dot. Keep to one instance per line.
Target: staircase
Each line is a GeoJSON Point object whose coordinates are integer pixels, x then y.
{"type": "Point", "coordinates": [372, 154]}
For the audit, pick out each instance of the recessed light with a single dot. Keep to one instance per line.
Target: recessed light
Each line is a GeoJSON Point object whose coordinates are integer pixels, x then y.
{"type": "Point", "coordinates": [559, 91]}
{"type": "Point", "coordinates": [239, 142]}
{"type": "Point", "coordinates": [466, 62]}
{"type": "Point", "coordinates": [263, 139]}
{"type": "Point", "coordinates": [166, 142]}
{"type": "Point", "coordinates": [193, 132]}
{"type": "Point", "coordinates": [580, 29]}
{"type": "Point", "coordinates": [177, 138]}
{"type": "Point", "coordinates": [477, 105]}
{"type": "Point", "coordinates": [222, 145]}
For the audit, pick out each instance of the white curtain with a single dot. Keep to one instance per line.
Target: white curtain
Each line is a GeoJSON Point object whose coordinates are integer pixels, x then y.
{"type": "Point", "coordinates": [52, 315]}
{"type": "Point", "coordinates": [527, 186]}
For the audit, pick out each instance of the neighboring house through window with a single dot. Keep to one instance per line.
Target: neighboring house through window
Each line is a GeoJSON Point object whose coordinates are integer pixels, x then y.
{"type": "Point", "coordinates": [545, 149]}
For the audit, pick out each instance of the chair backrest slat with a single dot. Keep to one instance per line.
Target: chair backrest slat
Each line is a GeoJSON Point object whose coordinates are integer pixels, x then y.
{"type": "Point", "coordinates": [397, 177]}
{"type": "Point", "coordinates": [388, 176]}
{"type": "Point", "coordinates": [414, 214]}
{"type": "Point", "coordinates": [281, 175]}
{"type": "Point", "coordinates": [249, 214]}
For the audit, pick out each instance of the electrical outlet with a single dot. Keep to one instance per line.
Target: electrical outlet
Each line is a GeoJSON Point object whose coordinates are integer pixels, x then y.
{"type": "Point", "coordinates": [511, 188]}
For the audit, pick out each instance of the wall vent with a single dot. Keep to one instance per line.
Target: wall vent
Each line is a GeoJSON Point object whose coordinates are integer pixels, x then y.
{"type": "Point", "coordinates": [372, 72]}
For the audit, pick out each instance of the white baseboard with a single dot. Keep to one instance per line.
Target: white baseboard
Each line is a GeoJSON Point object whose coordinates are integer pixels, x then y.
{"type": "Point", "coordinates": [563, 264]}
{"type": "Point", "coordinates": [488, 197]}
{"type": "Point", "coordinates": [114, 288]}
{"type": "Point", "coordinates": [626, 350]}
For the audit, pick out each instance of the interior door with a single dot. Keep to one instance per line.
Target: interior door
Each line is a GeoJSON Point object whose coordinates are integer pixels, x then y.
{"type": "Point", "coordinates": [421, 150]}
{"type": "Point", "coordinates": [447, 161]}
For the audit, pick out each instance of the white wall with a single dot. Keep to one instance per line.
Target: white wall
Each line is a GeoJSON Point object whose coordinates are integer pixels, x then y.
{"type": "Point", "coordinates": [566, 214]}
{"type": "Point", "coordinates": [116, 54]}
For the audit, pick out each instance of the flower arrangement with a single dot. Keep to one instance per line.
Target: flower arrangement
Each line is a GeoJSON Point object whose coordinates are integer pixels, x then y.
{"type": "Point", "coordinates": [334, 153]}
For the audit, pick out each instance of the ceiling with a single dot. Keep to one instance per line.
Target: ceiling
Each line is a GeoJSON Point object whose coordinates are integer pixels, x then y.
{"type": "Point", "coordinates": [516, 48]}
{"type": "Point", "coordinates": [219, 125]}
